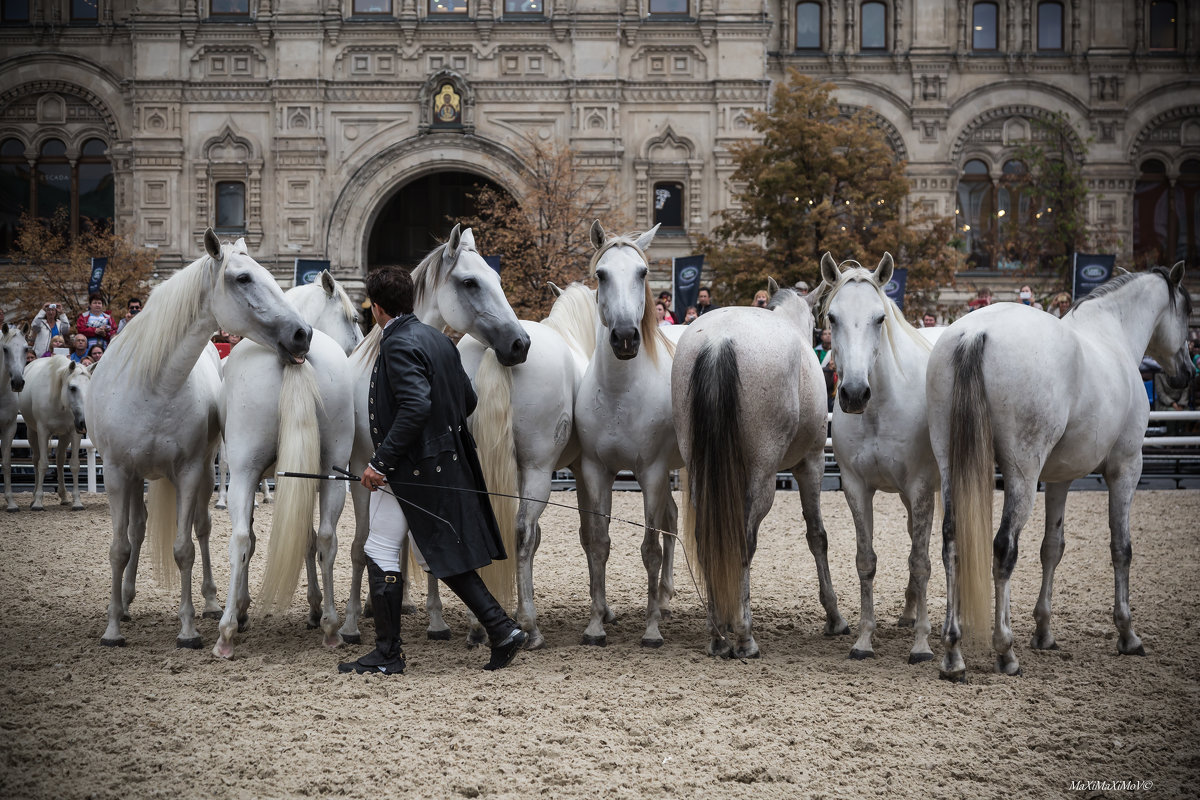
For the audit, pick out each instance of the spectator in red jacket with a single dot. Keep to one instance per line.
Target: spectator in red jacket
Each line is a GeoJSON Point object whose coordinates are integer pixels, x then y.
{"type": "Point", "coordinates": [96, 323]}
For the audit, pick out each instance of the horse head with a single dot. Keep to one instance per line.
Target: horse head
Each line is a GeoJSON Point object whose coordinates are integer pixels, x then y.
{"type": "Point", "coordinates": [855, 310]}
{"type": "Point", "coordinates": [247, 301]}
{"type": "Point", "coordinates": [325, 305]}
{"type": "Point", "coordinates": [12, 355]}
{"type": "Point", "coordinates": [75, 385]}
{"type": "Point", "coordinates": [457, 285]}
{"type": "Point", "coordinates": [1169, 341]}
{"type": "Point", "coordinates": [622, 291]}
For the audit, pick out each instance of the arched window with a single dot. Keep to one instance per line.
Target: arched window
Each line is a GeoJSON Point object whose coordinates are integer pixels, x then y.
{"type": "Point", "coordinates": [1152, 236]}
{"type": "Point", "coordinates": [808, 26]}
{"type": "Point", "coordinates": [985, 26]}
{"type": "Point", "coordinates": [95, 184]}
{"type": "Point", "coordinates": [14, 190]}
{"type": "Point", "coordinates": [874, 26]}
{"type": "Point", "coordinates": [52, 184]}
{"type": "Point", "coordinates": [1163, 26]}
{"type": "Point", "coordinates": [668, 204]}
{"type": "Point", "coordinates": [1013, 204]}
{"type": "Point", "coordinates": [975, 213]}
{"type": "Point", "coordinates": [231, 207]}
{"type": "Point", "coordinates": [1049, 26]}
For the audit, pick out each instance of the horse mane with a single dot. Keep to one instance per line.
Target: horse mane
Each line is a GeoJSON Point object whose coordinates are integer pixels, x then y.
{"type": "Point", "coordinates": [150, 338]}
{"type": "Point", "coordinates": [366, 350]}
{"type": "Point", "coordinates": [58, 374]}
{"type": "Point", "coordinates": [346, 304]}
{"type": "Point", "coordinates": [894, 323]}
{"type": "Point", "coordinates": [652, 337]}
{"type": "Point", "coordinates": [574, 316]}
{"type": "Point", "coordinates": [1110, 286]}
{"type": "Point", "coordinates": [426, 274]}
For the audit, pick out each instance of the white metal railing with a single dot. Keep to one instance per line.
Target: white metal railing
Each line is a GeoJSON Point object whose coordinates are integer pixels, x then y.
{"type": "Point", "coordinates": [94, 461]}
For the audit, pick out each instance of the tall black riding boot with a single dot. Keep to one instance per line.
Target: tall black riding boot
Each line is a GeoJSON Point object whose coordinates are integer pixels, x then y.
{"type": "Point", "coordinates": [387, 592]}
{"type": "Point", "coordinates": [505, 635]}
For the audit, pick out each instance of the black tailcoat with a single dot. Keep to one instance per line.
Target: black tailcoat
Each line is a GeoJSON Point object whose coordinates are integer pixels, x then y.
{"type": "Point", "coordinates": [420, 401]}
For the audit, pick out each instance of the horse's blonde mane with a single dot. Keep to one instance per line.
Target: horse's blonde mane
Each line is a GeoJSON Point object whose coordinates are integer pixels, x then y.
{"type": "Point", "coordinates": [574, 316]}
{"type": "Point", "coordinates": [58, 372]}
{"type": "Point", "coordinates": [427, 274]}
{"type": "Point", "coordinates": [343, 300]}
{"type": "Point", "coordinates": [365, 351]}
{"type": "Point", "coordinates": [652, 337]}
{"type": "Point", "coordinates": [894, 323]}
{"type": "Point", "coordinates": [151, 338]}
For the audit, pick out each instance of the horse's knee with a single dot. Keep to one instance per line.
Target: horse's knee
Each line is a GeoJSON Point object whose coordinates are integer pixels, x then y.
{"type": "Point", "coordinates": [866, 563]}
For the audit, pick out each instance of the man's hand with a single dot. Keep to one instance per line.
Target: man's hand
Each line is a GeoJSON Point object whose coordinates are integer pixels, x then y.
{"type": "Point", "coordinates": [372, 479]}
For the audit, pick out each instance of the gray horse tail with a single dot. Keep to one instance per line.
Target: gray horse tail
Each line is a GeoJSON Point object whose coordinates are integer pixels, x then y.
{"type": "Point", "coordinates": [972, 470]}
{"type": "Point", "coordinates": [719, 478]}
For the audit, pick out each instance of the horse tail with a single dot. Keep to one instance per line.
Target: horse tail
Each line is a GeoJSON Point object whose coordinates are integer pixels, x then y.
{"type": "Point", "coordinates": [298, 449]}
{"type": "Point", "coordinates": [492, 427]}
{"type": "Point", "coordinates": [719, 478]}
{"type": "Point", "coordinates": [972, 483]}
{"type": "Point", "coordinates": [161, 523]}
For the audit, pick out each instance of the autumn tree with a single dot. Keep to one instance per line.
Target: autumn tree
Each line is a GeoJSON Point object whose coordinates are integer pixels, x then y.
{"type": "Point", "coordinates": [816, 181]}
{"type": "Point", "coordinates": [48, 265]}
{"type": "Point", "coordinates": [544, 238]}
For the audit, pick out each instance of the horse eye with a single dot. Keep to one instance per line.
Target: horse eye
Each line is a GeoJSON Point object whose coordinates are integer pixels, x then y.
{"type": "Point", "coordinates": [600, 276]}
{"type": "Point", "coordinates": [469, 283]}
{"type": "Point", "coordinates": [879, 320]}
{"type": "Point", "coordinates": [641, 273]}
{"type": "Point", "coordinates": [243, 278]}
{"type": "Point", "coordinates": [832, 320]}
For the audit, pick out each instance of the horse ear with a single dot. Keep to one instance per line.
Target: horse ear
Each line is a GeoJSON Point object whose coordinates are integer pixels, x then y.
{"type": "Point", "coordinates": [328, 283]}
{"type": "Point", "coordinates": [212, 245]}
{"type": "Point", "coordinates": [813, 298]}
{"type": "Point", "coordinates": [1176, 274]}
{"type": "Point", "coordinates": [71, 365]}
{"type": "Point", "coordinates": [829, 269]}
{"type": "Point", "coordinates": [883, 273]}
{"type": "Point", "coordinates": [643, 241]}
{"type": "Point", "coordinates": [240, 245]}
{"type": "Point", "coordinates": [4, 329]}
{"type": "Point", "coordinates": [772, 286]}
{"type": "Point", "coordinates": [467, 240]}
{"type": "Point", "coordinates": [596, 234]}
{"type": "Point", "coordinates": [554, 288]}
{"type": "Point", "coordinates": [454, 241]}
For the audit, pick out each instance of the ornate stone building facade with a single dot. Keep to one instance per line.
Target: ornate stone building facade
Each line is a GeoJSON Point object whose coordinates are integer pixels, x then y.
{"type": "Point", "coordinates": [312, 127]}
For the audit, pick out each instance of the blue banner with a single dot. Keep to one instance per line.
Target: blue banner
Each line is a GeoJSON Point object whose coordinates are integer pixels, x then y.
{"type": "Point", "coordinates": [685, 283]}
{"type": "Point", "coordinates": [895, 287]}
{"type": "Point", "coordinates": [1089, 272]}
{"type": "Point", "coordinates": [98, 267]}
{"type": "Point", "coordinates": [308, 270]}
{"type": "Point", "coordinates": [493, 262]}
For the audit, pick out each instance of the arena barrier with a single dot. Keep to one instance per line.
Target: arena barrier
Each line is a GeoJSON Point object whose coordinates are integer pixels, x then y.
{"type": "Point", "coordinates": [1179, 454]}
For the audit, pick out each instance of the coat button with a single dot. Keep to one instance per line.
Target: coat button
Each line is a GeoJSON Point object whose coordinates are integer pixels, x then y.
{"type": "Point", "coordinates": [372, 416]}
{"type": "Point", "coordinates": [416, 472]}
{"type": "Point", "coordinates": [437, 469]}
{"type": "Point", "coordinates": [454, 457]}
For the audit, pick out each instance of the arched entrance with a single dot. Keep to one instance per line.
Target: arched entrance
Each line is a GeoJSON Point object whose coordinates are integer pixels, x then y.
{"type": "Point", "coordinates": [420, 214]}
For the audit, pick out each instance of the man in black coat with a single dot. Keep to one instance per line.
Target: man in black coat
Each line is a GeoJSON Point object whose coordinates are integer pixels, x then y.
{"type": "Point", "coordinates": [420, 401]}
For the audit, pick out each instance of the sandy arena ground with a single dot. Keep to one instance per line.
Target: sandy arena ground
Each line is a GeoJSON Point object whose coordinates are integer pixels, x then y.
{"type": "Point", "coordinates": [148, 720]}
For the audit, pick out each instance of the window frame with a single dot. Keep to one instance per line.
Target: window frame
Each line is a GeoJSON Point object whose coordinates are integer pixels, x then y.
{"type": "Point", "coordinates": [651, 13]}
{"type": "Point", "coordinates": [433, 13]}
{"type": "Point", "coordinates": [390, 12]}
{"type": "Point", "coordinates": [6, 20]}
{"type": "Point", "coordinates": [820, 7]}
{"type": "Point", "coordinates": [1150, 30]}
{"type": "Point", "coordinates": [541, 12]}
{"type": "Point", "coordinates": [682, 187]}
{"type": "Point", "coordinates": [1062, 34]}
{"type": "Point", "coordinates": [239, 15]}
{"type": "Point", "coordinates": [995, 48]}
{"type": "Point", "coordinates": [217, 226]}
{"type": "Point", "coordinates": [83, 20]}
{"type": "Point", "coordinates": [862, 27]}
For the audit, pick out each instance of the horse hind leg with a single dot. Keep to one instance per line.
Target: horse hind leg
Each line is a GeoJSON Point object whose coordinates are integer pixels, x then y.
{"type": "Point", "coordinates": [313, 621]}
{"type": "Point", "coordinates": [535, 491]}
{"type": "Point", "coordinates": [332, 501]}
{"type": "Point", "coordinates": [1051, 553]}
{"type": "Point", "coordinates": [1018, 504]}
{"type": "Point", "coordinates": [666, 582]}
{"type": "Point", "coordinates": [60, 459]}
{"type": "Point", "coordinates": [361, 500]}
{"type": "Point", "coordinates": [808, 475]}
{"type": "Point", "coordinates": [241, 516]}
{"type": "Point", "coordinates": [185, 558]}
{"type": "Point", "coordinates": [595, 499]}
{"type": "Point", "coordinates": [77, 500]}
{"type": "Point", "coordinates": [437, 629]}
{"type": "Point", "coordinates": [656, 495]}
{"type": "Point", "coordinates": [7, 434]}
{"type": "Point", "coordinates": [203, 526]}
{"type": "Point", "coordinates": [136, 526]}
{"type": "Point", "coordinates": [916, 611]}
{"type": "Point", "coordinates": [1122, 481]}
{"type": "Point", "coordinates": [41, 461]}
{"type": "Point", "coordinates": [119, 501]}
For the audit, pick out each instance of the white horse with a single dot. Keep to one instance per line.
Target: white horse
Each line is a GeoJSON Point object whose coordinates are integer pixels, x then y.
{"type": "Point", "coordinates": [749, 400]}
{"type": "Point", "coordinates": [524, 426]}
{"type": "Point", "coordinates": [880, 436]}
{"type": "Point", "coordinates": [299, 416]}
{"type": "Point", "coordinates": [623, 421]}
{"type": "Point", "coordinates": [153, 413]}
{"type": "Point", "coordinates": [1049, 400]}
{"type": "Point", "coordinates": [12, 381]}
{"type": "Point", "coordinates": [455, 288]}
{"type": "Point", "coordinates": [52, 404]}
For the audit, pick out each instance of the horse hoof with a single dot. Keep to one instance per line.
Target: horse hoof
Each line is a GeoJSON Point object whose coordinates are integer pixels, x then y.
{"type": "Point", "coordinates": [535, 642]}
{"type": "Point", "coordinates": [1036, 645]}
{"type": "Point", "coordinates": [919, 658]}
{"type": "Point", "coordinates": [32, 508]}
{"type": "Point", "coordinates": [211, 615]}
{"type": "Point", "coordinates": [189, 644]}
{"type": "Point", "coordinates": [843, 631]}
{"type": "Point", "coordinates": [77, 508]}
{"type": "Point", "coordinates": [352, 638]}
{"type": "Point", "coordinates": [652, 643]}
{"type": "Point", "coordinates": [125, 617]}
{"type": "Point", "coordinates": [224, 651]}
{"type": "Point", "coordinates": [904, 622]}
{"type": "Point", "coordinates": [861, 655]}
{"type": "Point", "coordinates": [476, 638]}
{"type": "Point", "coordinates": [12, 510]}
{"type": "Point", "coordinates": [112, 642]}
{"type": "Point", "coordinates": [594, 641]}
{"type": "Point", "coordinates": [1003, 669]}
{"type": "Point", "coordinates": [1137, 651]}
{"type": "Point", "coordinates": [443, 635]}
{"type": "Point", "coordinates": [243, 624]}
{"type": "Point", "coordinates": [333, 642]}
{"type": "Point", "coordinates": [957, 676]}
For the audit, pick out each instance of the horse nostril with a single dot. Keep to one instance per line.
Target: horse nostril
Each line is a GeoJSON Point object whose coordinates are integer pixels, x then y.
{"type": "Point", "coordinates": [866, 395]}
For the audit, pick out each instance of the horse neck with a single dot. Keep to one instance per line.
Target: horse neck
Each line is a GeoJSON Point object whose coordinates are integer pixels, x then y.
{"type": "Point", "coordinates": [427, 310]}
{"type": "Point", "coordinates": [1133, 309]}
{"type": "Point", "coordinates": [900, 366]}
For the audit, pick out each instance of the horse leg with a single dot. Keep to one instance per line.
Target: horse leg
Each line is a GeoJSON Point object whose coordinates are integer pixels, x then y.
{"type": "Point", "coordinates": [332, 499]}
{"type": "Point", "coordinates": [808, 475]}
{"type": "Point", "coordinates": [762, 497]}
{"type": "Point", "coordinates": [203, 525]}
{"type": "Point", "coordinates": [240, 500]}
{"type": "Point", "coordinates": [594, 487]}
{"type": "Point", "coordinates": [222, 477]}
{"type": "Point", "coordinates": [656, 490]}
{"type": "Point", "coordinates": [266, 490]}
{"type": "Point", "coordinates": [77, 505]}
{"type": "Point", "coordinates": [118, 487]}
{"type": "Point", "coordinates": [185, 555]}
{"type": "Point", "coordinates": [860, 497]}
{"type": "Point", "coordinates": [313, 621]}
{"type": "Point", "coordinates": [1052, 550]}
{"type": "Point", "coordinates": [666, 582]}
{"type": "Point", "coordinates": [361, 499]}
{"type": "Point", "coordinates": [437, 629]}
{"type": "Point", "coordinates": [919, 503]}
{"type": "Point", "coordinates": [1122, 477]}
{"type": "Point", "coordinates": [7, 434]}
{"type": "Point", "coordinates": [60, 459]}
{"type": "Point", "coordinates": [40, 450]}
{"type": "Point", "coordinates": [535, 491]}
{"type": "Point", "coordinates": [1018, 504]}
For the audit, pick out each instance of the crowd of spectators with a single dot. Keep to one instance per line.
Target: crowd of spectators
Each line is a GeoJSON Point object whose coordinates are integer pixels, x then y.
{"type": "Point", "coordinates": [51, 331]}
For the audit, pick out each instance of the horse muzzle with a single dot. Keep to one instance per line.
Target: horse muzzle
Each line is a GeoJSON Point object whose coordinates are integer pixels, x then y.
{"type": "Point", "coordinates": [17, 384]}
{"type": "Point", "coordinates": [515, 353]}
{"type": "Point", "coordinates": [854, 399]}
{"type": "Point", "coordinates": [625, 342]}
{"type": "Point", "coordinates": [294, 349]}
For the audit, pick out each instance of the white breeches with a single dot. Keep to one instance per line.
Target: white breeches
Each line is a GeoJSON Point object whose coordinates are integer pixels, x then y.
{"type": "Point", "coordinates": [387, 528]}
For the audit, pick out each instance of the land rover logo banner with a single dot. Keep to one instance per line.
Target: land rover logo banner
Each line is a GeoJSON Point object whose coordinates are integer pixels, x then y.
{"type": "Point", "coordinates": [685, 283]}
{"type": "Point", "coordinates": [895, 287]}
{"type": "Point", "coordinates": [307, 270]}
{"type": "Point", "coordinates": [97, 276]}
{"type": "Point", "coordinates": [1089, 272]}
